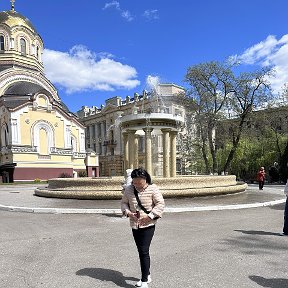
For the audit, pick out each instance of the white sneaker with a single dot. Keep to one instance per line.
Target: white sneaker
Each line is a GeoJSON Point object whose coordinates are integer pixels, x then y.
{"type": "Point", "coordinates": [144, 284]}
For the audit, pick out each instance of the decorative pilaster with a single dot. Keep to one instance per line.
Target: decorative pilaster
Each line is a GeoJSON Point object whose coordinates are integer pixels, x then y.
{"type": "Point", "coordinates": [82, 142]}
{"type": "Point", "coordinates": [68, 136]}
{"type": "Point", "coordinates": [95, 138]}
{"type": "Point", "coordinates": [91, 136]}
{"type": "Point", "coordinates": [103, 134]}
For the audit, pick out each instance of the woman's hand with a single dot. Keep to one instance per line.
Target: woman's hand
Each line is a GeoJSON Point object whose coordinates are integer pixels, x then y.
{"type": "Point", "coordinates": [144, 220]}
{"type": "Point", "coordinates": [133, 216]}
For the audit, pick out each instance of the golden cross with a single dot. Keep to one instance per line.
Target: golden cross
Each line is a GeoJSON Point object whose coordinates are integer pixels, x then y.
{"type": "Point", "coordinates": [12, 5]}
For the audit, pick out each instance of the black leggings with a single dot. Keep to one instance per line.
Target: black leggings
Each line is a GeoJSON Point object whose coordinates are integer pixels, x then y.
{"type": "Point", "coordinates": [261, 185]}
{"type": "Point", "coordinates": [143, 238]}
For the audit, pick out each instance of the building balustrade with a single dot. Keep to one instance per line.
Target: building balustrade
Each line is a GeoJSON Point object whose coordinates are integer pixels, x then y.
{"type": "Point", "coordinates": [78, 155]}
{"type": "Point", "coordinates": [61, 151]}
{"type": "Point", "coordinates": [21, 149]}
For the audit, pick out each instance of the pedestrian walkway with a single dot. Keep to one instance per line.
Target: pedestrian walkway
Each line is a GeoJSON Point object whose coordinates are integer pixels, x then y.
{"type": "Point", "coordinates": [21, 198]}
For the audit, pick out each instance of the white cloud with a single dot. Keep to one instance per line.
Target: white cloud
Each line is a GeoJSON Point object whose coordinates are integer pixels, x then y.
{"type": "Point", "coordinates": [82, 70]}
{"type": "Point", "coordinates": [116, 5]}
{"type": "Point", "coordinates": [151, 14]}
{"type": "Point", "coordinates": [260, 51]}
{"type": "Point", "coordinates": [127, 15]}
{"type": "Point", "coordinates": [270, 52]}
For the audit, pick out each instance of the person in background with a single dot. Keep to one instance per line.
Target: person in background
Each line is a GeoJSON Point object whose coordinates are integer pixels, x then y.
{"type": "Point", "coordinates": [261, 177]}
{"type": "Point", "coordinates": [128, 179]}
{"type": "Point", "coordinates": [143, 203]}
{"type": "Point", "coordinates": [285, 226]}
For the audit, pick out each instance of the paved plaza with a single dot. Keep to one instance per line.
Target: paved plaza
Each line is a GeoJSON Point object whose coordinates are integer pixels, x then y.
{"type": "Point", "coordinates": [229, 245]}
{"type": "Point", "coordinates": [21, 198]}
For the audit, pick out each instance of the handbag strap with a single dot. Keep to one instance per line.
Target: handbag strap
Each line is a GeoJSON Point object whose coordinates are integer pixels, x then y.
{"type": "Point", "coordinates": [139, 202]}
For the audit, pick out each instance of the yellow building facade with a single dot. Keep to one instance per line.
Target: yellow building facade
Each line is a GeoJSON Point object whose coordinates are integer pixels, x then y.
{"type": "Point", "coordinates": [39, 136]}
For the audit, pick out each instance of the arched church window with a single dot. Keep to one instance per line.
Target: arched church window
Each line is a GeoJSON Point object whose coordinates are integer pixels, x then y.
{"type": "Point", "coordinates": [23, 46]}
{"type": "Point", "coordinates": [43, 137]}
{"type": "Point", "coordinates": [2, 43]}
{"type": "Point", "coordinates": [43, 142]}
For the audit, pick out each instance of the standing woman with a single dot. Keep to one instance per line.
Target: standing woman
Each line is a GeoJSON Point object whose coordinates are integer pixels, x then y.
{"type": "Point", "coordinates": [261, 177]}
{"type": "Point", "coordinates": [143, 203]}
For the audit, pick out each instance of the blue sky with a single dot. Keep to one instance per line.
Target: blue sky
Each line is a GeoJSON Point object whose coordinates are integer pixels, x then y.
{"type": "Point", "coordinates": [95, 50]}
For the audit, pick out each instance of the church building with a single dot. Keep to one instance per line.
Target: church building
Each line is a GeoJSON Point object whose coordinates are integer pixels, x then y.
{"type": "Point", "coordinates": [39, 137]}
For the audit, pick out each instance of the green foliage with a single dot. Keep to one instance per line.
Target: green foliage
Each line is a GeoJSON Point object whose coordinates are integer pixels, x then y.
{"type": "Point", "coordinates": [218, 94]}
{"type": "Point", "coordinates": [252, 153]}
{"type": "Point", "coordinates": [82, 173]}
{"type": "Point", "coordinates": [283, 169]}
{"type": "Point", "coordinates": [65, 175]}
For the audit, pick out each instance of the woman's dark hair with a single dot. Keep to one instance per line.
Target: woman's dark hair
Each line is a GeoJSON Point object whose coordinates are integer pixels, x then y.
{"type": "Point", "coordinates": [141, 173]}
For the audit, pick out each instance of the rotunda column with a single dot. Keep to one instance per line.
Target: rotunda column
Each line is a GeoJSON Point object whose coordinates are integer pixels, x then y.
{"type": "Point", "coordinates": [148, 150]}
{"type": "Point", "coordinates": [131, 137]}
{"type": "Point", "coordinates": [126, 150]}
{"type": "Point", "coordinates": [173, 135]}
{"type": "Point", "coordinates": [136, 148]}
{"type": "Point", "coordinates": [166, 150]}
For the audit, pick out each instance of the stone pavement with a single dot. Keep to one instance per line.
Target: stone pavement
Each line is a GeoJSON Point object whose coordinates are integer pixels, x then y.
{"type": "Point", "coordinates": [21, 198]}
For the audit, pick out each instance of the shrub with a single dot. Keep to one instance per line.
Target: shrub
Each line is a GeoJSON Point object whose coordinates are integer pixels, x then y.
{"type": "Point", "coordinates": [65, 175]}
{"type": "Point", "coordinates": [82, 173]}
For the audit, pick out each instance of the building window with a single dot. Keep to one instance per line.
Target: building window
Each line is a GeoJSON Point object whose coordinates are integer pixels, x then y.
{"type": "Point", "coordinates": [2, 43]}
{"type": "Point", "coordinates": [74, 143]}
{"type": "Point", "coordinates": [43, 137]}
{"type": "Point", "coordinates": [23, 46]}
{"type": "Point", "coordinates": [44, 149]}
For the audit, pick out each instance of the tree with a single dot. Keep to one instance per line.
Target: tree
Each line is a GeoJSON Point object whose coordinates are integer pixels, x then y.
{"type": "Point", "coordinates": [283, 165]}
{"type": "Point", "coordinates": [251, 91]}
{"type": "Point", "coordinates": [217, 94]}
{"type": "Point", "coordinates": [210, 86]}
{"type": "Point", "coordinates": [284, 157]}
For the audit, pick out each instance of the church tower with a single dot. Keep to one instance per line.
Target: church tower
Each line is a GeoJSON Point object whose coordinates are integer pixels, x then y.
{"type": "Point", "coordinates": [39, 137]}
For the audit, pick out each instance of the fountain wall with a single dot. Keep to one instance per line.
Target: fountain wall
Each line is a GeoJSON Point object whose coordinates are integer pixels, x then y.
{"type": "Point", "coordinates": [110, 187]}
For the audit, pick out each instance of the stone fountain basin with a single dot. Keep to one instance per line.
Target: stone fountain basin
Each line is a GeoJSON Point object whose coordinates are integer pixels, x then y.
{"type": "Point", "coordinates": [110, 187]}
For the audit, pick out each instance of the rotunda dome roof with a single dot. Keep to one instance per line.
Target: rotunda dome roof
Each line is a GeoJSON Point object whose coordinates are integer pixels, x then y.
{"type": "Point", "coordinates": [13, 18]}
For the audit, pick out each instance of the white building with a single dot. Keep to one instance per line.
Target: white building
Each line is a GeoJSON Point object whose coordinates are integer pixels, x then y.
{"type": "Point", "coordinates": [104, 131]}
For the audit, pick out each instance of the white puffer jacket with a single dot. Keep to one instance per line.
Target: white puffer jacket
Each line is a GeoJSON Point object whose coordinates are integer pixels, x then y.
{"type": "Point", "coordinates": [151, 198]}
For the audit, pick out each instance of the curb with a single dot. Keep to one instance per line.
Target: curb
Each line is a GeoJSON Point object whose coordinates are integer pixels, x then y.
{"type": "Point", "coordinates": [118, 211]}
